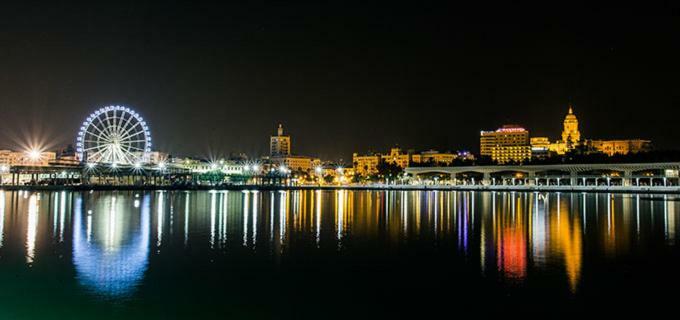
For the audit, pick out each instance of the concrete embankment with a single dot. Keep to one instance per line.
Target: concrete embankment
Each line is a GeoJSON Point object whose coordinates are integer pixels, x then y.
{"type": "Point", "coordinates": [523, 188]}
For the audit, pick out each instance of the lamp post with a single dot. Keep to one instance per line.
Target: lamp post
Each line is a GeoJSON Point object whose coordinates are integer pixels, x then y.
{"type": "Point", "coordinates": [319, 174]}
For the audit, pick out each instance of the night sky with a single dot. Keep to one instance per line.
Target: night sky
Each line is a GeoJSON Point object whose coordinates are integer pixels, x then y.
{"type": "Point", "coordinates": [213, 79]}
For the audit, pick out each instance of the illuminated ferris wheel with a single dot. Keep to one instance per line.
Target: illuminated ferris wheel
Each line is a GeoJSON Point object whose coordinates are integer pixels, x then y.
{"type": "Point", "coordinates": [113, 134]}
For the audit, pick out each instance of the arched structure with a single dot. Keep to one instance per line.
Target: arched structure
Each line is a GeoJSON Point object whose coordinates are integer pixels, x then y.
{"type": "Point", "coordinates": [114, 134]}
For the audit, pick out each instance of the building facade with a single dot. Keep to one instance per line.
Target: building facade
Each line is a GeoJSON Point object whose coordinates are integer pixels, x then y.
{"type": "Point", "coordinates": [297, 163]}
{"type": "Point", "coordinates": [540, 147]}
{"type": "Point", "coordinates": [622, 147]}
{"type": "Point", "coordinates": [368, 164]}
{"type": "Point", "coordinates": [16, 158]}
{"type": "Point", "coordinates": [571, 136]}
{"type": "Point", "coordinates": [509, 143]}
{"type": "Point", "coordinates": [365, 164]}
{"type": "Point", "coordinates": [279, 145]}
{"type": "Point", "coordinates": [571, 139]}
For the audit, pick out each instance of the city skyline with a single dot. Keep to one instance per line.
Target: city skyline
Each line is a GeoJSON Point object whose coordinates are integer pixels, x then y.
{"type": "Point", "coordinates": [422, 78]}
{"type": "Point", "coordinates": [39, 144]}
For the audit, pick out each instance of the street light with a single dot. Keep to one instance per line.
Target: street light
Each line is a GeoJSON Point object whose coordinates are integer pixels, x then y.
{"type": "Point", "coordinates": [34, 154]}
{"type": "Point", "coordinates": [318, 170]}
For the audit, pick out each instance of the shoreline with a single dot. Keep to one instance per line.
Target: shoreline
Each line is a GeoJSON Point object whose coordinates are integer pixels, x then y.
{"type": "Point", "coordinates": [499, 188]}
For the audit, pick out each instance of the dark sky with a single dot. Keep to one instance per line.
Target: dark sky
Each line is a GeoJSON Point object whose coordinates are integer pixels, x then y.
{"type": "Point", "coordinates": [214, 78]}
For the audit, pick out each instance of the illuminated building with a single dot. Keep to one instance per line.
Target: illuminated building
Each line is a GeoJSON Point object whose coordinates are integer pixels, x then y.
{"type": "Point", "coordinates": [396, 156]}
{"type": "Point", "coordinates": [623, 147]}
{"type": "Point", "coordinates": [434, 156]}
{"type": "Point", "coordinates": [296, 163]}
{"type": "Point", "coordinates": [280, 154]}
{"type": "Point", "coordinates": [27, 158]}
{"type": "Point", "coordinates": [365, 164]}
{"type": "Point", "coordinates": [506, 144]}
{"type": "Point", "coordinates": [279, 145]}
{"type": "Point", "coordinates": [368, 164]}
{"type": "Point", "coordinates": [540, 147]}
{"type": "Point", "coordinates": [571, 137]}
{"type": "Point", "coordinates": [153, 157]}
{"type": "Point", "coordinates": [227, 167]}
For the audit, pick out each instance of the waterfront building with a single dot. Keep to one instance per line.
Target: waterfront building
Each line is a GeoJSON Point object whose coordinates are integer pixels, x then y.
{"type": "Point", "coordinates": [296, 163]}
{"type": "Point", "coordinates": [571, 138]}
{"type": "Point", "coordinates": [27, 158]}
{"type": "Point", "coordinates": [152, 157]}
{"type": "Point", "coordinates": [621, 147]}
{"type": "Point", "coordinates": [506, 144]}
{"type": "Point", "coordinates": [279, 145]}
{"type": "Point", "coordinates": [368, 164]}
{"type": "Point", "coordinates": [280, 154]}
{"type": "Point", "coordinates": [435, 156]}
{"type": "Point", "coordinates": [228, 167]}
{"type": "Point", "coordinates": [506, 154]}
{"type": "Point", "coordinates": [365, 164]}
{"type": "Point", "coordinates": [191, 164]}
{"type": "Point", "coordinates": [540, 147]}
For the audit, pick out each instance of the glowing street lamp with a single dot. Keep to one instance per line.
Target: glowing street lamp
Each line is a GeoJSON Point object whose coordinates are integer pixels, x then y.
{"type": "Point", "coordinates": [33, 155]}
{"type": "Point", "coordinates": [138, 165]}
{"type": "Point", "coordinates": [161, 165]}
{"type": "Point", "coordinates": [318, 170]}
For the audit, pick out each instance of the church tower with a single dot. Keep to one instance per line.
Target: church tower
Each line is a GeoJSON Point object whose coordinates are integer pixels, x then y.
{"type": "Point", "coordinates": [570, 135]}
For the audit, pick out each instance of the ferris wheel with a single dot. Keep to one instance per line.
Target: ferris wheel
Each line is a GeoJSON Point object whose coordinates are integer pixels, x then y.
{"type": "Point", "coordinates": [114, 134]}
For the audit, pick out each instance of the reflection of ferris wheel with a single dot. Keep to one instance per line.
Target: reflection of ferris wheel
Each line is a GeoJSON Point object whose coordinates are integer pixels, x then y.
{"type": "Point", "coordinates": [114, 134]}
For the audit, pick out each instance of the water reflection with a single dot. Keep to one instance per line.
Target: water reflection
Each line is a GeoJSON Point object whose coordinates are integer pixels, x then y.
{"type": "Point", "coordinates": [111, 245]}
{"type": "Point", "coordinates": [505, 235]}
{"type": "Point", "coordinates": [2, 217]}
{"type": "Point", "coordinates": [32, 224]}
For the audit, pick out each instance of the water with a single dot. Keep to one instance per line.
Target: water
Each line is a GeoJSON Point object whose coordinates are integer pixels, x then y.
{"type": "Point", "coordinates": [332, 254]}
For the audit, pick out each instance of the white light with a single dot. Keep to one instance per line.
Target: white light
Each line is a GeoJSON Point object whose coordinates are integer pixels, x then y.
{"type": "Point", "coordinates": [256, 167]}
{"type": "Point", "coordinates": [283, 169]}
{"type": "Point", "coordinates": [318, 170]}
{"type": "Point", "coordinates": [246, 168]}
{"type": "Point", "coordinates": [90, 165]}
{"type": "Point", "coordinates": [138, 165]}
{"type": "Point", "coordinates": [114, 165]}
{"type": "Point", "coordinates": [34, 154]}
{"type": "Point", "coordinates": [161, 165]}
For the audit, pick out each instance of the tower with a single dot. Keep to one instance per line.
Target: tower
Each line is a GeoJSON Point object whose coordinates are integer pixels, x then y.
{"type": "Point", "coordinates": [570, 135]}
{"type": "Point", "coordinates": [279, 145]}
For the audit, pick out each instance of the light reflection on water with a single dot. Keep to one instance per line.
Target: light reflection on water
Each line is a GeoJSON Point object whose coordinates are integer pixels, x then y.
{"type": "Point", "coordinates": [509, 235]}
